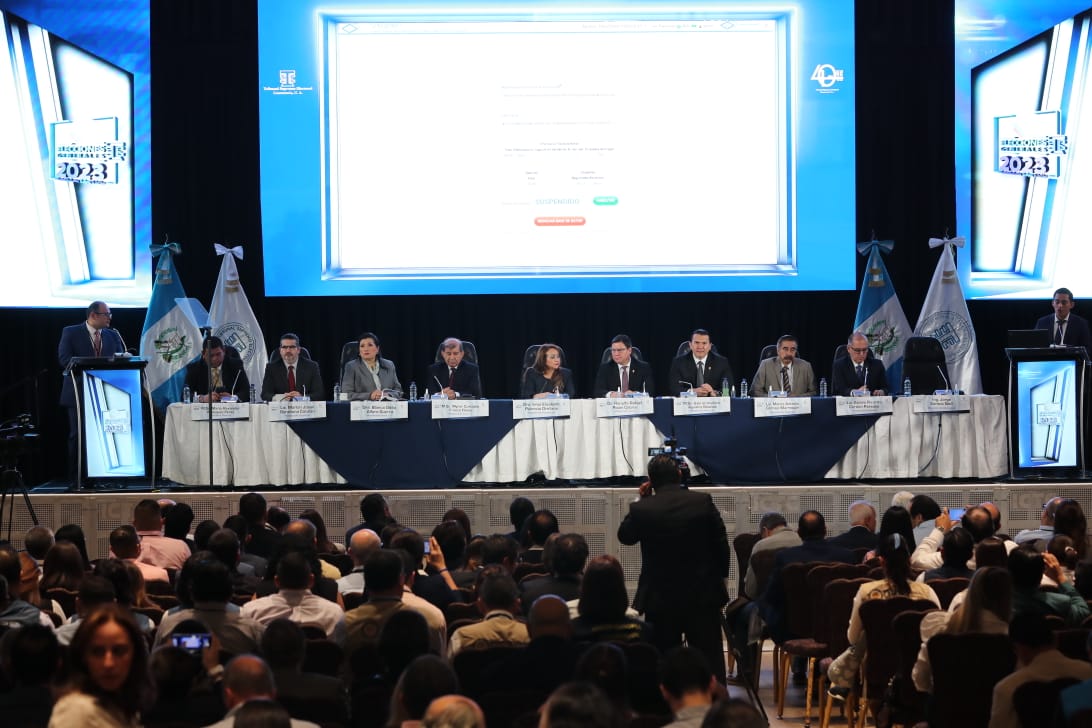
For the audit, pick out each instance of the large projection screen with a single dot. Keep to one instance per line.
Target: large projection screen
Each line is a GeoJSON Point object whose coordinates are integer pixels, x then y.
{"type": "Point", "coordinates": [75, 198]}
{"type": "Point", "coordinates": [1023, 105]}
{"type": "Point", "coordinates": [534, 147]}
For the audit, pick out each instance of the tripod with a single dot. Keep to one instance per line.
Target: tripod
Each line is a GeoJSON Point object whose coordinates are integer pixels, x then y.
{"type": "Point", "coordinates": [11, 484]}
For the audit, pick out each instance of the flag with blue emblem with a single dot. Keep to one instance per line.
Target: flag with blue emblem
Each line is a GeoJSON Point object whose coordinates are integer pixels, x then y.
{"type": "Point", "coordinates": [879, 314]}
{"type": "Point", "coordinates": [945, 317]}
{"type": "Point", "coordinates": [170, 339]}
{"type": "Point", "coordinates": [233, 320]}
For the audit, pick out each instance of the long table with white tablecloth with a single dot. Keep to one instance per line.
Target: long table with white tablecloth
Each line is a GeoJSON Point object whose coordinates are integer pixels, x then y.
{"type": "Point", "coordinates": [422, 452]}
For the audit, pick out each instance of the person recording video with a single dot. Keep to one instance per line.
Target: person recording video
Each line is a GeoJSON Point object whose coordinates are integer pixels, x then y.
{"type": "Point", "coordinates": [217, 373]}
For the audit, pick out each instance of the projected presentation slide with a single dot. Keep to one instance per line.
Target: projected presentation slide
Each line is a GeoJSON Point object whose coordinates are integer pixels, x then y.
{"type": "Point", "coordinates": [113, 428]}
{"type": "Point", "coordinates": [1047, 425]}
{"type": "Point", "coordinates": [1022, 101]}
{"type": "Point", "coordinates": [74, 193]}
{"type": "Point", "coordinates": [537, 147]}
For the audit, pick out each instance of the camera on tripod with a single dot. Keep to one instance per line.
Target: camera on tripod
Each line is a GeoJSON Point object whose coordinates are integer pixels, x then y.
{"type": "Point", "coordinates": [677, 454]}
{"type": "Point", "coordinates": [17, 435]}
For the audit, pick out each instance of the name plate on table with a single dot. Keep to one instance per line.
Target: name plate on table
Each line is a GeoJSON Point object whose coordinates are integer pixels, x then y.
{"type": "Point", "coordinates": [220, 411]}
{"type": "Point", "coordinates": [539, 409]}
{"type": "Point", "coordinates": [459, 409]}
{"type": "Point", "coordinates": [369, 411]}
{"type": "Point", "coordinates": [855, 406]}
{"type": "Point", "coordinates": [696, 406]}
{"type": "Point", "coordinates": [926, 403]}
{"type": "Point", "coordinates": [782, 406]}
{"type": "Point", "coordinates": [291, 411]}
{"type": "Point", "coordinates": [623, 406]}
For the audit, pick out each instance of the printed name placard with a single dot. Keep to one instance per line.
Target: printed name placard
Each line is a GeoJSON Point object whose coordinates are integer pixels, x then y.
{"type": "Point", "coordinates": [539, 409]}
{"type": "Point", "coordinates": [623, 406]}
{"type": "Point", "coordinates": [856, 406]}
{"type": "Point", "coordinates": [369, 411]}
{"type": "Point", "coordinates": [220, 411]}
{"type": "Point", "coordinates": [290, 411]}
{"type": "Point", "coordinates": [926, 403]}
{"type": "Point", "coordinates": [459, 409]}
{"type": "Point", "coordinates": [782, 406]}
{"type": "Point", "coordinates": [697, 406]}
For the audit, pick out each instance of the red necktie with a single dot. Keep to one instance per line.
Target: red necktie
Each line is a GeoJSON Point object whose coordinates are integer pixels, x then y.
{"type": "Point", "coordinates": [98, 342]}
{"type": "Point", "coordinates": [451, 379]}
{"type": "Point", "coordinates": [625, 379]}
{"type": "Point", "coordinates": [291, 379]}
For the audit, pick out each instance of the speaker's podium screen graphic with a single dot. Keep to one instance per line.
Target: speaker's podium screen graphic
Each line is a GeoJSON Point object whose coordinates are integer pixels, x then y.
{"type": "Point", "coordinates": [1046, 411]}
{"type": "Point", "coordinates": [113, 433]}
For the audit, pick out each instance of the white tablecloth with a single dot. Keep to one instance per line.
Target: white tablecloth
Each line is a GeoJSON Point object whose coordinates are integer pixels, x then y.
{"type": "Point", "coordinates": [246, 453]}
{"type": "Point", "coordinates": [967, 445]}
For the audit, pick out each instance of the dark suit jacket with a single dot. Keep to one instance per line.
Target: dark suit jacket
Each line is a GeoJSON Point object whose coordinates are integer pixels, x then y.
{"type": "Point", "coordinates": [844, 377]}
{"type": "Point", "coordinates": [75, 341]}
{"type": "Point", "coordinates": [772, 602]}
{"type": "Point", "coordinates": [1077, 332]}
{"type": "Point", "coordinates": [308, 379]}
{"type": "Point", "coordinates": [534, 383]}
{"type": "Point", "coordinates": [684, 369]}
{"type": "Point", "coordinates": [640, 378]}
{"type": "Point", "coordinates": [566, 587]}
{"type": "Point", "coordinates": [857, 537]}
{"type": "Point", "coordinates": [468, 381]}
{"type": "Point", "coordinates": [684, 551]}
{"type": "Point", "coordinates": [197, 378]}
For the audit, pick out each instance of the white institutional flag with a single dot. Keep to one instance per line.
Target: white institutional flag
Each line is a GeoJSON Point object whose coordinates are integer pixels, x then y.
{"type": "Point", "coordinates": [945, 317]}
{"type": "Point", "coordinates": [232, 319]}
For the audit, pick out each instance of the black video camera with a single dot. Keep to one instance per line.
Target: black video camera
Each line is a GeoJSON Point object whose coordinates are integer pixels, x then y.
{"type": "Point", "coordinates": [677, 454]}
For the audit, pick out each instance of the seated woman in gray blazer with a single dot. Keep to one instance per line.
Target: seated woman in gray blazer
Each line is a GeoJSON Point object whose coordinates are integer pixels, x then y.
{"type": "Point", "coordinates": [368, 376]}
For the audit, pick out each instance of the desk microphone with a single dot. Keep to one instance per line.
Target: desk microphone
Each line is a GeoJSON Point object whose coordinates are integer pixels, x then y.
{"type": "Point", "coordinates": [943, 378]}
{"type": "Point", "coordinates": [683, 381]}
{"type": "Point", "coordinates": [304, 392]}
{"type": "Point", "coordinates": [438, 383]}
{"type": "Point", "coordinates": [865, 385]}
{"type": "Point", "coordinates": [237, 375]}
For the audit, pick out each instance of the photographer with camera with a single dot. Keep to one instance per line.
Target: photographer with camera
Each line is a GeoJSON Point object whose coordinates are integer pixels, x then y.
{"type": "Point", "coordinates": [684, 560]}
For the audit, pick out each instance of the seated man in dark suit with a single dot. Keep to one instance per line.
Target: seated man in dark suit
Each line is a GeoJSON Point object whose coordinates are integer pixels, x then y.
{"type": "Point", "coordinates": [1068, 329]}
{"type": "Point", "coordinates": [624, 374]}
{"type": "Point", "coordinates": [455, 377]}
{"type": "Point", "coordinates": [812, 529]}
{"type": "Point", "coordinates": [291, 377]}
{"type": "Point", "coordinates": [568, 555]}
{"type": "Point", "coordinates": [862, 528]}
{"type": "Point", "coordinates": [702, 369]}
{"type": "Point", "coordinates": [218, 374]}
{"type": "Point", "coordinates": [857, 372]}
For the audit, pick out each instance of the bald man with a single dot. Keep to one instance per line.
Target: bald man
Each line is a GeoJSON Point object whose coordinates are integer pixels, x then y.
{"type": "Point", "coordinates": [247, 678]}
{"type": "Point", "coordinates": [361, 545]}
{"type": "Point", "coordinates": [453, 711]}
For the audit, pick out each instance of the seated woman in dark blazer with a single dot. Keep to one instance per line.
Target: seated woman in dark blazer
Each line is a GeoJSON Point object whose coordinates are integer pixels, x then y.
{"type": "Point", "coordinates": [547, 376]}
{"type": "Point", "coordinates": [369, 375]}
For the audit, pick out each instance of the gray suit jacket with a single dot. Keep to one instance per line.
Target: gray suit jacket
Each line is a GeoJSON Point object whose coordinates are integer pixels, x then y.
{"type": "Point", "coordinates": [357, 382]}
{"type": "Point", "coordinates": [768, 377]}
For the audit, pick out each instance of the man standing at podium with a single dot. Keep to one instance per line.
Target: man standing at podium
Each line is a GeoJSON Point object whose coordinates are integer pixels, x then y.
{"type": "Point", "coordinates": [92, 338]}
{"type": "Point", "coordinates": [1066, 327]}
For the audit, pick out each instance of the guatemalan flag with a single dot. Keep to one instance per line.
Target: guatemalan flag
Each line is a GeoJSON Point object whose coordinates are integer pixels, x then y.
{"type": "Point", "coordinates": [232, 318]}
{"type": "Point", "coordinates": [171, 339]}
{"type": "Point", "coordinates": [879, 313]}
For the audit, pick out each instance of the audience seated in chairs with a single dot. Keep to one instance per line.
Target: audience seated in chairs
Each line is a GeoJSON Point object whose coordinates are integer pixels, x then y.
{"type": "Point", "coordinates": [1027, 567]}
{"type": "Point", "coordinates": [320, 698]}
{"type": "Point", "coordinates": [568, 553]}
{"type": "Point", "coordinates": [498, 598]}
{"type": "Point", "coordinates": [604, 614]}
{"type": "Point", "coordinates": [294, 600]}
{"type": "Point", "coordinates": [362, 544]}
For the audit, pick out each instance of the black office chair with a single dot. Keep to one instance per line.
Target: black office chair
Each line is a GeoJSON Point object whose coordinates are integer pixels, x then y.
{"type": "Point", "coordinates": [470, 352]}
{"type": "Point", "coordinates": [768, 352]}
{"type": "Point", "coordinates": [843, 350]}
{"type": "Point", "coordinates": [606, 354]}
{"type": "Point", "coordinates": [923, 361]}
{"type": "Point", "coordinates": [349, 350]}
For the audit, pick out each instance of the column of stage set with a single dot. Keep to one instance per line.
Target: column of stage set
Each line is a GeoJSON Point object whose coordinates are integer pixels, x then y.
{"type": "Point", "coordinates": [1047, 409]}
{"type": "Point", "coordinates": [114, 421]}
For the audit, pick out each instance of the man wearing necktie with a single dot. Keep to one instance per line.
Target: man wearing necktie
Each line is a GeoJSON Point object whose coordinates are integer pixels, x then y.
{"type": "Point", "coordinates": [858, 371]}
{"type": "Point", "coordinates": [454, 375]}
{"type": "Point", "coordinates": [216, 373]}
{"type": "Point", "coordinates": [1066, 327]}
{"type": "Point", "coordinates": [624, 373]}
{"type": "Point", "coordinates": [291, 376]}
{"type": "Point", "coordinates": [785, 372]}
{"type": "Point", "coordinates": [91, 338]}
{"type": "Point", "coordinates": [701, 367]}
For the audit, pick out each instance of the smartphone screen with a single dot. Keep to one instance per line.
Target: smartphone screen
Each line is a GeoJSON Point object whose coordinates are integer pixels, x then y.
{"type": "Point", "coordinates": [193, 642]}
{"type": "Point", "coordinates": [956, 513]}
